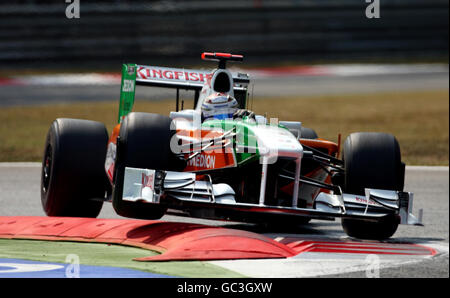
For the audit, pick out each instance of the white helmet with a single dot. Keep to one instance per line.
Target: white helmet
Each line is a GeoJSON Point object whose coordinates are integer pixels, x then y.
{"type": "Point", "coordinates": [219, 105]}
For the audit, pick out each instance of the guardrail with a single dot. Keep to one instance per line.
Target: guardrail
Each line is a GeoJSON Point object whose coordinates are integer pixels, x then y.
{"type": "Point", "coordinates": [160, 30]}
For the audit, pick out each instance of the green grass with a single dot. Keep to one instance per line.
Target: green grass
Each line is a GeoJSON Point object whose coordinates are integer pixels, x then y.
{"type": "Point", "coordinates": [418, 119]}
{"type": "Point", "coordinates": [98, 254]}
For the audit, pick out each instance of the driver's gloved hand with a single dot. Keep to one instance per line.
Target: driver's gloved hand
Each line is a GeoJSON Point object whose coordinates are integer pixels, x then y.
{"type": "Point", "coordinates": [241, 113]}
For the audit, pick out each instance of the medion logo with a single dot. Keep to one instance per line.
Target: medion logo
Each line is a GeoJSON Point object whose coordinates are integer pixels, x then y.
{"type": "Point", "coordinates": [203, 161]}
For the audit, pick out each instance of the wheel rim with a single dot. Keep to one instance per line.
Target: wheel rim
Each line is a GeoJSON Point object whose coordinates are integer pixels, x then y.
{"type": "Point", "coordinates": [47, 168]}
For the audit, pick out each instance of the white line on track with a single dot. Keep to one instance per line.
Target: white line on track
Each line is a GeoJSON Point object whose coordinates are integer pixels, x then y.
{"type": "Point", "coordinates": [25, 268]}
{"type": "Point", "coordinates": [38, 164]}
{"type": "Point", "coordinates": [427, 168]}
{"type": "Point", "coordinates": [20, 164]}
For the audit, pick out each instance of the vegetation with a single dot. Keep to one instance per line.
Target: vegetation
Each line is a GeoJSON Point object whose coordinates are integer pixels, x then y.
{"type": "Point", "coordinates": [419, 120]}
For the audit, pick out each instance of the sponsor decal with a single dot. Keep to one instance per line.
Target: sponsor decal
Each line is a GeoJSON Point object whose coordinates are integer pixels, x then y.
{"type": "Point", "coordinates": [203, 161]}
{"type": "Point", "coordinates": [110, 160]}
{"type": "Point", "coordinates": [162, 73]}
{"type": "Point", "coordinates": [364, 201]}
{"type": "Point", "coordinates": [147, 185]}
{"type": "Point", "coordinates": [131, 69]}
{"type": "Point", "coordinates": [209, 160]}
{"type": "Point", "coordinates": [147, 180]}
{"type": "Point", "coordinates": [128, 86]}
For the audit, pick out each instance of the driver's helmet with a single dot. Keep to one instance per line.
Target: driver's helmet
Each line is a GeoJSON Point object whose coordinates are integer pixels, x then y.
{"type": "Point", "coordinates": [219, 106]}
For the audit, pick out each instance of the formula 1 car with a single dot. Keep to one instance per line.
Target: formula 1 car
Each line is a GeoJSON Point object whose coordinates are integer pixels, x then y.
{"type": "Point", "coordinates": [242, 167]}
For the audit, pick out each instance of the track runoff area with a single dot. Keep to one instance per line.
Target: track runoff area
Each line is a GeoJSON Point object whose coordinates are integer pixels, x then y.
{"type": "Point", "coordinates": [185, 247]}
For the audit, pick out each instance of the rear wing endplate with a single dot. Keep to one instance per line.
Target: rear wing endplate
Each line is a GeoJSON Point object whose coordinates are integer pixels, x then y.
{"type": "Point", "coordinates": [178, 78]}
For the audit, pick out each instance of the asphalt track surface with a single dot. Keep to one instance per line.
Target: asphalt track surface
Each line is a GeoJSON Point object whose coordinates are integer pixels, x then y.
{"type": "Point", "coordinates": [263, 86]}
{"type": "Point", "coordinates": [20, 196]}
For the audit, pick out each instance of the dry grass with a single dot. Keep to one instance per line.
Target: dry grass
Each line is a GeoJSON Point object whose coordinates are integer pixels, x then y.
{"type": "Point", "coordinates": [420, 121]}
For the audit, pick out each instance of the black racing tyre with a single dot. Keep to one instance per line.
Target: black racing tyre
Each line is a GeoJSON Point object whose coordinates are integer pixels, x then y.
{"type": "Point", "coordinates": [372, 160]}
{"type": "Point", "coordinates": [308, 133]}
{"type": "Point", "coordinates": [73, 178]}
{"type": "Point", "coordinates": [144, 142]}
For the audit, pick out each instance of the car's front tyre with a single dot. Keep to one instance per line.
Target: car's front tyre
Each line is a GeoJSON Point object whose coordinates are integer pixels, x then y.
{"type": "Point", "coordinates": [372, 160]}
{"type": "Point", "coordinates": [73, 179]}
{"type": "Point", "coordinates": [144, 142]}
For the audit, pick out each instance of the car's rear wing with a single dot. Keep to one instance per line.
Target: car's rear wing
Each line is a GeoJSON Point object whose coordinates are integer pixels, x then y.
{"type": "Point", "coordinates": [177, 78]}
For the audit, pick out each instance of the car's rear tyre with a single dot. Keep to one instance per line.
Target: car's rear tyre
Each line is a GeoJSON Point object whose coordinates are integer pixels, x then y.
{"type": "Point", "coordinates": [73, 179]}
{"type": "Point", "coordinates": [372, 160]}
{"type": "Point", "coordinates": [144, 142]}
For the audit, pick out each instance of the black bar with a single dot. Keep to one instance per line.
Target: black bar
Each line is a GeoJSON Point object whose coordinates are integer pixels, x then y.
{"type": "Point", "coordinates": [197, 95]}
{"type": "Point", "coordinates": [178, 98]}
{"type": "Point", "coordinates": [327, 156]}
{"type": "Point", "coordinates": [312, 182]}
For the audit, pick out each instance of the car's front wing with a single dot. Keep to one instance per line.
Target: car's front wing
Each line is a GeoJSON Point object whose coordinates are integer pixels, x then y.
{"type": "Point", "coordinates": [183, 194]}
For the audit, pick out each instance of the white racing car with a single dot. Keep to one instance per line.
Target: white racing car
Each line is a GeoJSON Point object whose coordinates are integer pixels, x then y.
{"type": "Point", "coordinates": [221, 161]}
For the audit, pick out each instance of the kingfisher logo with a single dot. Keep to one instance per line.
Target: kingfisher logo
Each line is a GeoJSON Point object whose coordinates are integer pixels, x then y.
{"type": "Point", "coordinates": [164, 73]}
{"type": "Point", "coordinates": [203, 161]}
